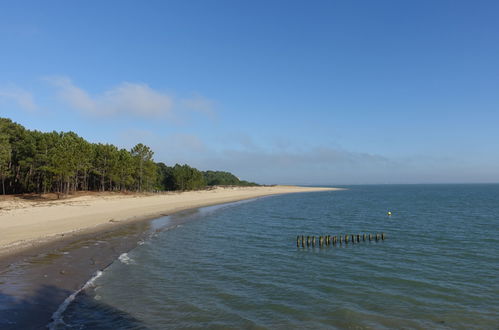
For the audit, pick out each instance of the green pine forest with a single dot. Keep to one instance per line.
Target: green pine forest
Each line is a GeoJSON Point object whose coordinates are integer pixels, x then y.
{"type": "Point", "coordinates": [62, 162]}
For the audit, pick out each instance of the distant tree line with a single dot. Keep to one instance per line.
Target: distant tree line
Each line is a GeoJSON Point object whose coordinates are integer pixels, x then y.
{"type": "Point", "coordinates": [219, 178]}
{"type": "Point", "coordinates": [63, 162]}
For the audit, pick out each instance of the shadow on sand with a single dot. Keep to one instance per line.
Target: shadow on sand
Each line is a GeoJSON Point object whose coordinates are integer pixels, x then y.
{"type": "Point", "coordinates": [36, 312]}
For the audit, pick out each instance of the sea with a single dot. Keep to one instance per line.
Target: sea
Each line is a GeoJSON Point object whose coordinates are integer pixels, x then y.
{"type": "Point", "coordinates": [238, 266]}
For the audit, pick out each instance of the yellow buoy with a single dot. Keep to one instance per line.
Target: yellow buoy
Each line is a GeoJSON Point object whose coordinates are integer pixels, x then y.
{"type": "Point", "coordinates": [389, 213]}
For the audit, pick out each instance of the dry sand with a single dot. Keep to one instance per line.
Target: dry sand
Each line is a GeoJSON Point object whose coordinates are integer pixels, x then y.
{"type": "Point", "coordinates": [25, 223]}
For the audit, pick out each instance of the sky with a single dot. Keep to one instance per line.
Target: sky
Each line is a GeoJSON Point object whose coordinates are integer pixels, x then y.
{"type": "Point", "coordinates": [277, 92]}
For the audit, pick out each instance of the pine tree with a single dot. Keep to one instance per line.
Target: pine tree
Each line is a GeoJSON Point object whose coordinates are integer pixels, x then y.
{"type": "Point", "coordinates": [5, 155]}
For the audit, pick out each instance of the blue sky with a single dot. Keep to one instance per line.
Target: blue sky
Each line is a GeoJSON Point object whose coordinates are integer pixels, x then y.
{"type": "Point", "coordinates": [293, 92]}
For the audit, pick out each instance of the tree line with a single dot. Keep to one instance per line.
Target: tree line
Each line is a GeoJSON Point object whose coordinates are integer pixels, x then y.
{"type": "Point", "coordinates": [38, 162]}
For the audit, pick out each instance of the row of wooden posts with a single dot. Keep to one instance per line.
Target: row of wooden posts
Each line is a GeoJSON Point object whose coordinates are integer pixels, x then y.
{"type": "Point", "coordinates": [302, 241]}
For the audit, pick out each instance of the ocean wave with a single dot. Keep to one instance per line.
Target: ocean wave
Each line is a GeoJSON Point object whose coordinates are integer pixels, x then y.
{"type": "Point", "coordinates": [124, 258]}
{"type": "Point", "coordinates": [57, 316]}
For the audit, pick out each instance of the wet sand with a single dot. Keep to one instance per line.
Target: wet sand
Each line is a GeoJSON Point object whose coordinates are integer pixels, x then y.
{"type": "Point", "coordinates": [34, 282]}
{"type": "Point", "coordinates": [36, 277]}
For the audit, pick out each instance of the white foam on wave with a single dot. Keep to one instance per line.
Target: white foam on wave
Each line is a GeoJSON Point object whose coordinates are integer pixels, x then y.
{"type": "Point", "coordinates": [124, 258]}
{"type": "Point", "coordinates": [57, 316]}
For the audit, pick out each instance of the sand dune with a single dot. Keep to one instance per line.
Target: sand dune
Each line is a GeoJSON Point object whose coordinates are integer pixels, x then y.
{"type": "Point", "coordinates": [26, 223]}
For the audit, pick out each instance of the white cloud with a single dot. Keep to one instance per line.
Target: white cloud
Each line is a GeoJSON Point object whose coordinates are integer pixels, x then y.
{"type": "Point", "coordinates": [20, 96]}
{"type": "Point", "coordinates": [199, 103]}
{"type": "Point", "coordinates": [135, 99]}
{"type": "Point", "coordinates": [138, 99]}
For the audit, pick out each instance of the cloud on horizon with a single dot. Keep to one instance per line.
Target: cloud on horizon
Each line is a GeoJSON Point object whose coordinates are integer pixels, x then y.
{"type": "Point", "coordinates": [308, 165]}
{"type": "Point", "coordinates": [21, 97]}
{"type": "Point", "coordinates": [327, 165]}
{"type": "Point", "coordinates": [270, 164]}
{"type": "Point", "coordinates": [316, 165]}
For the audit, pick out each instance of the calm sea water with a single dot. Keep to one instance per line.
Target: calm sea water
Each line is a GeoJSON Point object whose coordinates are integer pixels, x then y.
{"type": "Point", "coordinates": [237, 266]}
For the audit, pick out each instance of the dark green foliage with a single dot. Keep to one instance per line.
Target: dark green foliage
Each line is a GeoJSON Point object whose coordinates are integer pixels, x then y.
{"type": "Point", "coordinates": [165, 180]}
{"type": "Point", "coordinates": [185, 177]}
{"type": "Point", "coordinates": [33, 161]}
{"type": "Point", "coordinates": [5, 152]}
{"type": "Point", "coordinates": [145, 168]}
{"type": "Point", "coordinates": [219, 178]}
{"type": "Point", "coordinates": [179, 177]}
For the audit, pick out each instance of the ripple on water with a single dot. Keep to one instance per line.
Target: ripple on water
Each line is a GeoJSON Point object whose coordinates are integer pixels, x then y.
{"type": "Point", "coordinates": [239, 267]}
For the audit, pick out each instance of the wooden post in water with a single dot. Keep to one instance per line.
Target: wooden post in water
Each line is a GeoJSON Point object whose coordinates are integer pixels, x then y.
{"type": "Point", "coordinates": [328, 240]}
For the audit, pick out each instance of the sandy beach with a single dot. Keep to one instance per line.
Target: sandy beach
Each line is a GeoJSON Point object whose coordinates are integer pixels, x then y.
{"type": "Point", "coordinates": [27, 223]}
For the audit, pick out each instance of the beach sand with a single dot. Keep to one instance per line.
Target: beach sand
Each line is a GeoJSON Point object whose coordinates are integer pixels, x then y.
{"type": "Point", "coordinates": [26, 223]}
{"type": "Point", "coordinates": [49, 249]}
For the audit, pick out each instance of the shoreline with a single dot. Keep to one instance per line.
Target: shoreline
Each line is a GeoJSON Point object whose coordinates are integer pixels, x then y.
{"type": "Point", "coordinates": [28, 224]}
{"type": "Point", "coordinates": [38, 276]}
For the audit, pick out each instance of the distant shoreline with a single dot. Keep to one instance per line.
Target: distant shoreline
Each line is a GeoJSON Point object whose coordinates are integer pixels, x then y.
{"type": "Point", "coordinates": [55, 260]}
